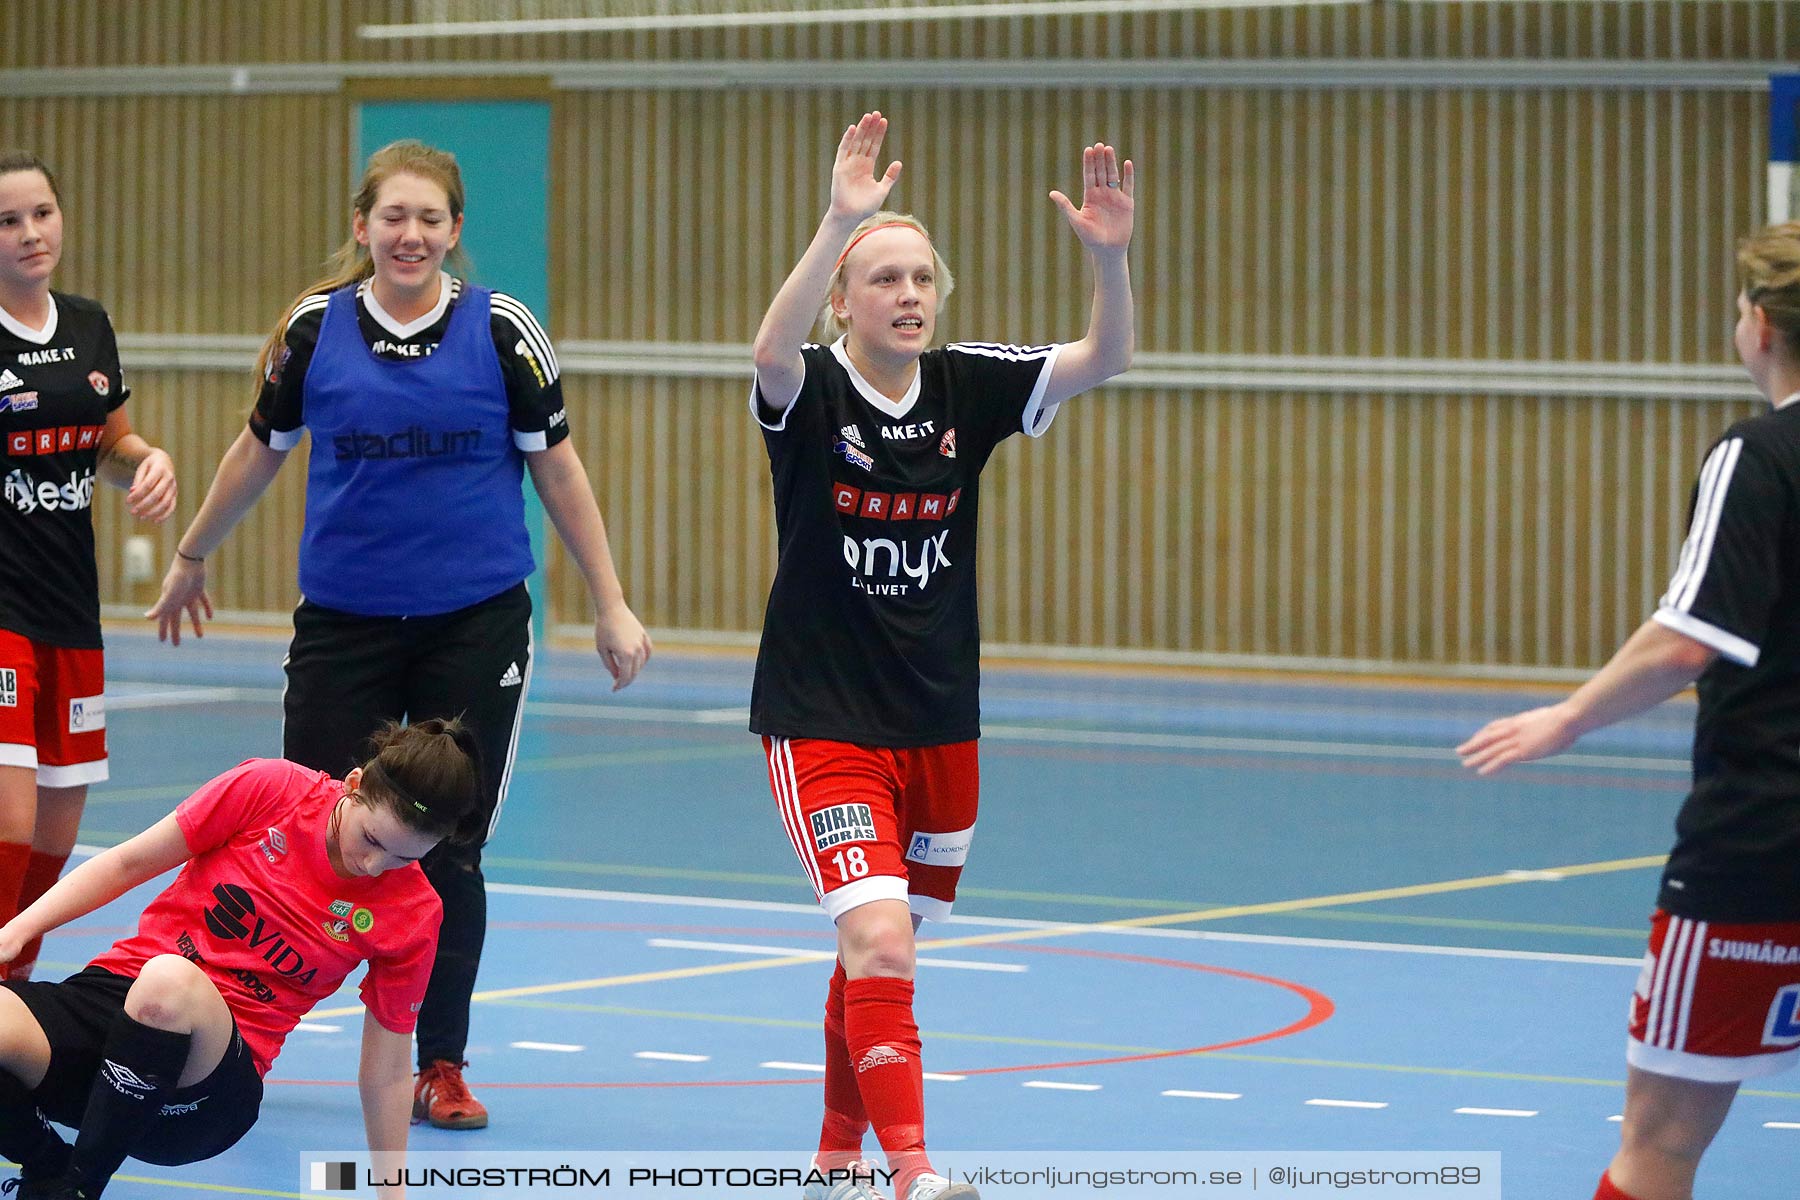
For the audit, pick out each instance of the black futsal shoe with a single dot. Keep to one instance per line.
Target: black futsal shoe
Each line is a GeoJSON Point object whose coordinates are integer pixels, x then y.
{"type": "Point", "coordinates": [61, 1186]}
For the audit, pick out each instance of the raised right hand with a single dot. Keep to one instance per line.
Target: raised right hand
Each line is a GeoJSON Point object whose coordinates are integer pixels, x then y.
{"type": "Point", "coordinates": [856, 191]}
{"type": "Point", "coordinates": [184, 587]}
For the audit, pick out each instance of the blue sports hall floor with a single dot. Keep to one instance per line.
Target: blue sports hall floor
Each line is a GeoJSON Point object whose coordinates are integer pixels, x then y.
{"type": "Point", "coordinates": [1202, 912]}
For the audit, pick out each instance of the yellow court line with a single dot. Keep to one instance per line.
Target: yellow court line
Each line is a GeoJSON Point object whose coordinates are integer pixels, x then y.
{"type": "Point", "coordinates": [1285, 906]}
{"type": "Point", "coordinates": [228, 1188]}
{"type": "Point", "coordinates": [1026, 935]}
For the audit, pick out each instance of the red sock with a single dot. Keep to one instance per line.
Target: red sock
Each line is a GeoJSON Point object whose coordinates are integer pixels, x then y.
{"type": "Point", "coordinates": [883, 1039]}
{"type": "Point", "coordinates": [41, 872]}
{"type": "Point", "coordinates": [1610, 1190]}
{"type": "Point", "coordinates": [14, 858]}
{"type": "Point", "coordinates": [846, 1121]}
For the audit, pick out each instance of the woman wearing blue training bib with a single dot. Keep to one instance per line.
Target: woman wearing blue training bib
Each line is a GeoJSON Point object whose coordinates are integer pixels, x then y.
{"type": "Point", "coordinates": [428, 398]}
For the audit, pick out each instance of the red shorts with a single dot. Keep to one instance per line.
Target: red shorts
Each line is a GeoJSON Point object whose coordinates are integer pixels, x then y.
{"type": "Point", "coordinates": [1717, 1003]}
{"type": "Point", "coordinates": [52, 711]}
{"type": "Point", "coordinates": [877, 824]}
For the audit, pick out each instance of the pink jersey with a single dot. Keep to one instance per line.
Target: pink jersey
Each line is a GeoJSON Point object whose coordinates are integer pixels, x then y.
{"type": "Point", "coordinates": [260, 909]}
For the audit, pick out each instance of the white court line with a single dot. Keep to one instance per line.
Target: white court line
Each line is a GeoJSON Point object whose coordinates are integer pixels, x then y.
{"type": "Point", "coordinates": [1617, 1119]}
{"type": "Point", "coordinates": [941, 1078]}
{"type": "Point", "coordinates": [1203, 935]}
{"type": "Point", "coordinates": [1206, 1095]}
{"type": "Point", "coordinates": [1497, 1112]}
{"type": "Point", "coordinates": [557, 1047]}
{"type": "Point", "coordinates": [1197, 741]}
{"type": "Point", "coordinates": [635, 712]}
{"type": "Point", "coordinates": [778, 1065]}
{"type": "Point", "coordinates": [1052, 1086]}
{"type": "Point", "coordinates": [1348, 1103]}
{"type": "Point", "coordinates": [179, 695]}
{"type": "Point", "coordinates": [1781, 1124]}
{"type": "Point", "coordinates": [176, 697]}
{"type": "Point", "coordinates": [317, 1027]}
{"type": "Point", "coordinates": [667, 1056]}
{"type": "Point", "coordinates": [824, 955]}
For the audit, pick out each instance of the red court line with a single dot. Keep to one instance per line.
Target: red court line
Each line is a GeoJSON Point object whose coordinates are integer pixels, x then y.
{"type": "Point", "coordinates": [1319, 1010]}
{"type": "Point", "coordinates": [644, 927]}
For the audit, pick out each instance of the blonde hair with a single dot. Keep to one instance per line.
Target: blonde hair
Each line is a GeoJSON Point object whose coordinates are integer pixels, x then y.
{"type": "Point", "coordinates": [351, 263]}
{"type": "Point", "coordinates": [831, 326]}
{"type": "Point", "coordinates": [1769, 276]}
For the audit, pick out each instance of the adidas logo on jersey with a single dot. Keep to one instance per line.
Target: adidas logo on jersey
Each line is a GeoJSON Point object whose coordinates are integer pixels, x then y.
{"type": "Point", "coordinates": [512, 678]}
{"type": "Point", "coordinates": [853, 435]}
{"type": "Point", "coordinates": [9, 380]}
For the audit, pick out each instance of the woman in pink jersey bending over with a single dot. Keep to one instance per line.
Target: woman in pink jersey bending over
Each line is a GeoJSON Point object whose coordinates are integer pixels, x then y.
{"type": "Point", "coordinates": [290, 879]}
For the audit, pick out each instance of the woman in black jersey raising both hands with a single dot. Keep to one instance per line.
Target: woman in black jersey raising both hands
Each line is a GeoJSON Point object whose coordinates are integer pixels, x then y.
{"type": "Point", "coordinates": [866, 681]}
{"type": "Point", "coordinates": [62, 418]}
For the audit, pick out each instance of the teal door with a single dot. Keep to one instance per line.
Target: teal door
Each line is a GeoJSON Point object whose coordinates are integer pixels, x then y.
{"type": "Point", "coordinates": [503, 149]}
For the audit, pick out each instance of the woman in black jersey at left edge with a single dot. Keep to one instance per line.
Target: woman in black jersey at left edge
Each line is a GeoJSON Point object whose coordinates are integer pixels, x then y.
{"type": "Point", "coordinates": [62, 418]}
{"type": "Point", "coordinates": [427, 399]}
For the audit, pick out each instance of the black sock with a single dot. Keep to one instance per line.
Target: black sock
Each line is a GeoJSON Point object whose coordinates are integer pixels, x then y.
{"type": "Point", "coordinates": [25, 1137]}
{"type": "Point", "coordinates": [141, 1064]}
{"type": "Point", "coordinates": [443, 1030]}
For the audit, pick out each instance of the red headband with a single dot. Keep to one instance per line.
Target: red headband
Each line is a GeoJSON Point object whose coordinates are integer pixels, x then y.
{"type": "Point", "coordinates": [872, 229]}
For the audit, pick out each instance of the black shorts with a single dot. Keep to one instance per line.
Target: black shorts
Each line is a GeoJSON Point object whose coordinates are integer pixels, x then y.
{"type": "Point", "coordinates": [195, 1122]}
{"type": "Point", "coordinates": [347, 673]}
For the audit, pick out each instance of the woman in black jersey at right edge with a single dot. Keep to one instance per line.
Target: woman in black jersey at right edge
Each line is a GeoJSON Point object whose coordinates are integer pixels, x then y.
{"type": "Point", "coordinates": [1718, 1000]}
{"type": "Point", "coordinates": [866, 680]}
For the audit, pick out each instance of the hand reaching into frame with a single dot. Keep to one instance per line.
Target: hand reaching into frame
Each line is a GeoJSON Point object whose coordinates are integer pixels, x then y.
{"type": "Point", "coordinates": [1104, 220]}
{"type": "Point", "coordinates": [856, 191]}
{"type": "Point", "coordinates": [1523, 737]}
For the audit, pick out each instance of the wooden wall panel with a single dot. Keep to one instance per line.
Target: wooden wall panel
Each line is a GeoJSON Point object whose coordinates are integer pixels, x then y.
{"type": "Point", "coordinates": [1207, 512]}
{"type": "Point", "coordinates": [83, 33]}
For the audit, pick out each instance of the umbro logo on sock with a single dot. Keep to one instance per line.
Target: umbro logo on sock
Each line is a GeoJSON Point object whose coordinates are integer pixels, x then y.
{"type": "Point", "coordinates": [9, 380]}
{"type": "Point", "coordinates": [512, 678]}
{"type": "Point", "coordinates": [126, 1081]}
{"type": "Point", "coordinates": [879, 1056]}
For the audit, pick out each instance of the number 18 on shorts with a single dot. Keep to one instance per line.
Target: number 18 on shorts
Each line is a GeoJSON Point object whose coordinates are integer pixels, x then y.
{"type": "Point", "coordinates": [877, 823]}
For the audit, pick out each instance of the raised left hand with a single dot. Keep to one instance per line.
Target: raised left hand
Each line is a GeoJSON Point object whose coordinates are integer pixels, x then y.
{"type": "Point", "coordinates": [623, 644]}
{"type": "Point", "coordinates": [152, 493]}
{"type": "Point", "coordinates": [1104, 220]}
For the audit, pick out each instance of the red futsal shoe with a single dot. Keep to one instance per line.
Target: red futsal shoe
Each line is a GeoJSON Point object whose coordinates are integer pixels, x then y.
{"type": "Point", "coordinates": [441, 1097]}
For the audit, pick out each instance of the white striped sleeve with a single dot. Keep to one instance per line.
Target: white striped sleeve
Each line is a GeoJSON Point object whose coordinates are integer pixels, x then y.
{"type": "Point", "coordinates": [280, 417]}
{"type": "Point", "coordinates": [1013, 370]}
{"type": "Point", "coordinates": [535, 341]}
{"type": "Point", "coordinates": [533, 387]}
{"type": "Point", "coordinates": [771, 412]}
{"type": "Point", "coordinates": [1729, 569]}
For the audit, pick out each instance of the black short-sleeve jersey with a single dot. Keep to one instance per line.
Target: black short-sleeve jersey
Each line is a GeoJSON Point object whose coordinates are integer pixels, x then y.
{"type": "Point", "coordinates": [57, 385]}
{"type": "Point", "coordinates": [871, 633]}
{"type": "Point", "coordinates": [1736, 588]}
{"type": "Point", "coordinates": [527, 360]}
